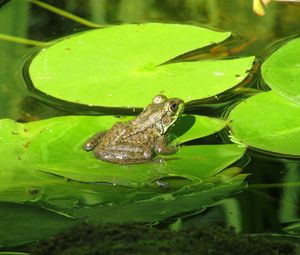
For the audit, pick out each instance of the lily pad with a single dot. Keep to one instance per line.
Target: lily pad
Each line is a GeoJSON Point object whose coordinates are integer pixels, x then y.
{"type": "Point", "coordinates": [54, 145]}
{"type": "Point", "coordinates": [45, 174]}
{"type": "Point", "coordinates": [267, 122]}
{"type": "Point", "coordinates": [281, 71]}
{"type": "Point", "coordinates": [190, 127]}
{"type": "Point", "coordinates": [61, 154]}
{"type": "Point", "coordinates": [121, 65]}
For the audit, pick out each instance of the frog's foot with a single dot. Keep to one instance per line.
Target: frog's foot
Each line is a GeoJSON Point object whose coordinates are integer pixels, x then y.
{"type": "Point", "coordinates": [91, 143]}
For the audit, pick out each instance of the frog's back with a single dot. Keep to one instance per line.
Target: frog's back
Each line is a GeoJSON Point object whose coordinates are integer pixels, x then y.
{"type": "Point", "coordinates": [126, 133]}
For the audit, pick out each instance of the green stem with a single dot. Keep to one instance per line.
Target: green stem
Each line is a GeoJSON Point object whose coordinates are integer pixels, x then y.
{"type": "Point", "coordinates": [64, 13]}
{"type": "Point", "coordinates": [16, 39]}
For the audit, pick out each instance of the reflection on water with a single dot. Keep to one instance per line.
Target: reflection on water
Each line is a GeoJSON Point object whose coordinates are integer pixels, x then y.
{"type": "Point", "coordinates": [260, 208]}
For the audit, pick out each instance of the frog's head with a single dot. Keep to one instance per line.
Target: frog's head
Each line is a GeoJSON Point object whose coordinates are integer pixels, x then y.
{"type": "Point", "coordinates": [171, 109]}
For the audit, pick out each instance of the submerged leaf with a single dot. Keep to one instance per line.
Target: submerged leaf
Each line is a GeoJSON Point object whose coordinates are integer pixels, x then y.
{"type": "Point", "coordinates": [189, 199]}
{"type": "Point", "coordinates": [21, 224]}
{"type": "Point", "coordinates": [121, 65]}
{"type": "Point", "coordinates": [25, 223]}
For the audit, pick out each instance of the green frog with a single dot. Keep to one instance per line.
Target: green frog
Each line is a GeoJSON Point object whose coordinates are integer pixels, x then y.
{"type": "Point", "coordinates": [141, 139]}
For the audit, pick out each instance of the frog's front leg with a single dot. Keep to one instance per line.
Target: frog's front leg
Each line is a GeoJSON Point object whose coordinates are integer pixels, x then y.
{"type": "Point", "coordinates": [91, 143]}
{"type": "Point", "coordinates": [161, 146]}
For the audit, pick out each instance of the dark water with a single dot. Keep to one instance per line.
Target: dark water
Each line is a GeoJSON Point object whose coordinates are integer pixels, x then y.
{"type": "Point", "coordinates": [262, 207]}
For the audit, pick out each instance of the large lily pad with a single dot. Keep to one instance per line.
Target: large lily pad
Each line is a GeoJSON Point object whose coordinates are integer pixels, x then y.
{"type": "Point", "coordinates": [281, 71]}
{"type": "Point", "coordinates": [121, 65]}
{"type": "Point", "coordinates": [268, 122]}
{"type": "Point", "coordinates": [45, 172]}
{"type": "Point", "coordinates": [54, 145]}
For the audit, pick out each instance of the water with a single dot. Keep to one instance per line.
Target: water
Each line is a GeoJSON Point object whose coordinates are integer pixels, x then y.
{"type": "Point", "coordinates": [263, 207]}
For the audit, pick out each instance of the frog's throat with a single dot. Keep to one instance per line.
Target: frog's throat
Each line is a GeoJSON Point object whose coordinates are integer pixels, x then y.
{"type": "Point", "coordinates": [163, 129]}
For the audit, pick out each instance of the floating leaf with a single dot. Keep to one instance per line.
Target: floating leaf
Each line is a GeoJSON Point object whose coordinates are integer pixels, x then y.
{"type": "Point", "coordinates": [121, 65]}
{"type": "Point", "coordinates": [54, 145]}
{"type": "Point", "coordinates": [281, 71]}
{"type": "Point", "coordinates": [40, 158]}
{"type": "Point", "coordinates": [268, 122]}
{"type": "Point", "coordinates": [57, 149]}
{"type": "Point", "coordinates": [190, 127]}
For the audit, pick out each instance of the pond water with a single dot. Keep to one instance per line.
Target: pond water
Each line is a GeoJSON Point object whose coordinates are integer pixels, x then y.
{"type": "Point", "coordinates": [271, 200]}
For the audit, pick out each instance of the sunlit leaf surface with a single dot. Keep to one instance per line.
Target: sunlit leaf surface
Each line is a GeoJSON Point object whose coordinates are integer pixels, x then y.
{"type": "Point", "coordinates": [54, 145]}
{"type": "Point", "coordinates": [268, 122]}
{"type": "Point", "coordinates": [121, 65]}
{"type": "Point", "coordinates": [281, 71]}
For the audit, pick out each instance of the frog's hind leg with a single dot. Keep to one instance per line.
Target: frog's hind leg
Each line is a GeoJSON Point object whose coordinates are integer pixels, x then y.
{"type": "Point", "coordinates": [91, 143]}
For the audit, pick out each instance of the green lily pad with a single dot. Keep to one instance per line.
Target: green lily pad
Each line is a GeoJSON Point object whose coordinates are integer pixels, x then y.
{"type": "Point", "coordinates": [281, 71]}
{"type": "Point", "coordinates": [190, 127]}
{"type": "Point", "coordinates": [267, 122]}
{"type": "Point", "coordinates": [45, 174]}
{"type": "Point", "coordinates": [57, 149]}
{"type": "Point", "coordinates": [54, 146]}
{"type": "Point", "coordinates": [121, 65]}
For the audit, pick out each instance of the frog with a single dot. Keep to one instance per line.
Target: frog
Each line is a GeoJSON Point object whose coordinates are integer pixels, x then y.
{"type": "Point", "coordinates": [141, 139]}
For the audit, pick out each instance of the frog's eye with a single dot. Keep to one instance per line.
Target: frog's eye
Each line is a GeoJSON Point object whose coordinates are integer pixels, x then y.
{"type": "Point", "coordinates": [173, 106]}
